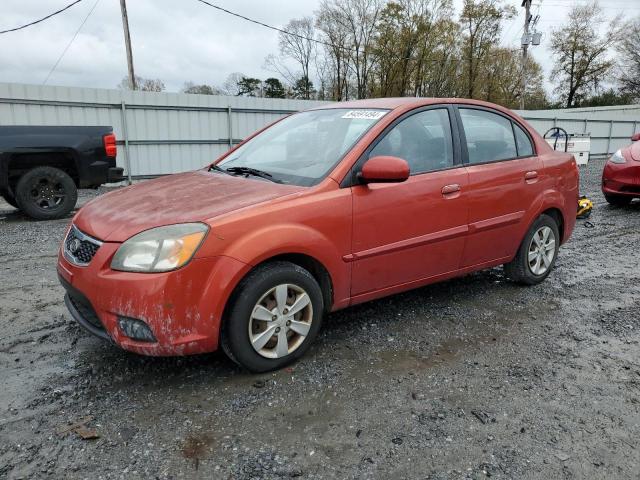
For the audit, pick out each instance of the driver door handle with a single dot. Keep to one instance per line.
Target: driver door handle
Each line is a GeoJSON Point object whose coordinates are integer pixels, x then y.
{"type": "Point", "coordinates": [531, 177]}
{"type": "Point", "coordinates": [449, 191]}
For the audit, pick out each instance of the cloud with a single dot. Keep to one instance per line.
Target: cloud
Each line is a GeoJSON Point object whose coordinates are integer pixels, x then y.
{"type": "Point", "coordinates": [174, 40]}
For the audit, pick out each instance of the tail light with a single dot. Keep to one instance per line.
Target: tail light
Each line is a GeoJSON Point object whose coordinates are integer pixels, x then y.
{"type": "Point", "coordinates": [110, 147]}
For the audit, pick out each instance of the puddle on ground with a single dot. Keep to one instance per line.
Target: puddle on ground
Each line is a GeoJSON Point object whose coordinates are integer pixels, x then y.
{"type": "Point", "coordinates": [402, 361]}
{"type": "Point", "coordinates": [501, 324]}
{"type": "Point", "coordinates": [196, 447]}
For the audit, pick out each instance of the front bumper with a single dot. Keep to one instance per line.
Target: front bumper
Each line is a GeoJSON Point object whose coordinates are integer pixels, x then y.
{"type": "Point", "coordinates": [621, 179]}
{"type": "Point", "coordinates": [182, 308]}
{"type": "Point", "coordinates": [82, 311]}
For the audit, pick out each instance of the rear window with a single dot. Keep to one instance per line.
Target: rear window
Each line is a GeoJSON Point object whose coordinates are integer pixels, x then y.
{"type": "Point", "coordinates": [489, 136]}
{"type": "Point", "coordinates": [525, 149]}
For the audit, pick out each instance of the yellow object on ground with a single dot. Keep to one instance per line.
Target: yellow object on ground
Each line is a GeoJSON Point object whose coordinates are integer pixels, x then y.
{"type": "Point", "coordinates": [584, 207]}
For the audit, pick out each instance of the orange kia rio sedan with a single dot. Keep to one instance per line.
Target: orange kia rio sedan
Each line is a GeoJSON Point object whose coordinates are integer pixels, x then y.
{"type": "Point", "coordinates": [324, 209]}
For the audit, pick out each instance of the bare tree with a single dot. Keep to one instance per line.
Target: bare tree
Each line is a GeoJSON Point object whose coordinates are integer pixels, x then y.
{"type": "Point", "coordinates": [323, 74]}
{"type": "Point", "coordinates": [629, 50]}
{"type": "Point", "coordinates": [581, 53]}
{"type": "Point", "coordinates": [143, 84]}
{"type": "Point", "coordinates": [500, 79]}
{"type": "Point", "coordinates": [415, 48]}
{"type": "Point", "coordinates": [231, 85]}
{"type": "Point", "coordinates": [438, 70]}
{"type": "Point", "coordinates": [336, 40]}
{"type": "Point", "coordinates": [481, 23]}
{"type": "Point", "coordinates": [201, 89]}
{"type": "Point", "coordinates": [299, 46]}
{"type": "Point", "coordinates": [358, 19]}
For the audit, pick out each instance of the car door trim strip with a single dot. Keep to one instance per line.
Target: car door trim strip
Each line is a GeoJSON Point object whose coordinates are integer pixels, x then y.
{"type": "Point", "coordinates": [496, 222]}
{"type": "Point", "coordinates": [408, 243]}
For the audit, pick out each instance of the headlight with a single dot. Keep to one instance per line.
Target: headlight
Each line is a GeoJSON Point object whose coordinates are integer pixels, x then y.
{"type": "Point", "coordinates": [160, 249]}
{"type": "Point", "coordinates": [617, 157]}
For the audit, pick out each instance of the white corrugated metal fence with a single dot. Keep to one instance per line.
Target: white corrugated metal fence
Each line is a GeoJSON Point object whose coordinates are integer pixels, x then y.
{"type": "Point", "coordinates": [158, 133]}
{"type": "Point", "coordinates": [162, 133]}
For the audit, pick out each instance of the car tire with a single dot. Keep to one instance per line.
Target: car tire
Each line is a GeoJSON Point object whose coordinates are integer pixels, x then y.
{"type": "Point", "coordinates": [46, 193]}
{"type": "Point", "coordinates": [258, 326]}
{"type": "Point", "coordinates": [11, 200]}
{"type": "Point", "coordinates": [618, 200]}
{"type": "Point", "coordinates": [537, 253]}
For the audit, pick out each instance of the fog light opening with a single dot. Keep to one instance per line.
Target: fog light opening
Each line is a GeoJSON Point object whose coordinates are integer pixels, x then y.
{"type": "Point", "coordinates": [136, 329]}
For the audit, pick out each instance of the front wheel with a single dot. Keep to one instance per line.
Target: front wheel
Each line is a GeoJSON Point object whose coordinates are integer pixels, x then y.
{"type": "Point", "coordinates": [537, 254]}
{"type": "Point", "coordinates": [273, 318]}
{"type": "Point", "coordinates": [46, 193]}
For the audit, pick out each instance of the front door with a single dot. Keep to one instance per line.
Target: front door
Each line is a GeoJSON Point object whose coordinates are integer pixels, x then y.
{"type": "Point", "coordinates": [411, 231]}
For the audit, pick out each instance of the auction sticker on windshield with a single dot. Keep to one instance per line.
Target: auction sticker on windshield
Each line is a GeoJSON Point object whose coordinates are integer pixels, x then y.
{"type": "Point", "coordinates": [366, 114]}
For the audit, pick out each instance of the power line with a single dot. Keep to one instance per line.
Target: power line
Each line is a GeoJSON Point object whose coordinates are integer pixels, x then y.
{"type": "Point", "coordinates": [42, 19]}
{"type": "Point", "coordinates": [69, 44]}
{"type": "Point", "coordinates": [568, 5]}
{"type": "Point", "coordinates": [602, 8]}
{"type": "Point", "coordinates": [257, 22]}
{"type": "Point", "coordinates": [513, 39]}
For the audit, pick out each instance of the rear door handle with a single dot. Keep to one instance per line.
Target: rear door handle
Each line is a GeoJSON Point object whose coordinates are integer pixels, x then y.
{"type": "Point", "coordinates": [531, 177]}
{"type": "Point", "coordinates": [450, 190]}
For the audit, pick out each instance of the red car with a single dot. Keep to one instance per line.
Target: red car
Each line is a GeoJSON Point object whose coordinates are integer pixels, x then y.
{"type": "Point", "coordinates": [621, 174]}
{"type": "Point", "coordinates": [322, 210]}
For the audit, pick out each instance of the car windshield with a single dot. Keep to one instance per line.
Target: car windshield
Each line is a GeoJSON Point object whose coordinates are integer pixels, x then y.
{"type": "Point", "coordinates": [302, 149]}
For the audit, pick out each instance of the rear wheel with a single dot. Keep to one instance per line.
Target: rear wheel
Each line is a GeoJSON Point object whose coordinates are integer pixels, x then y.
{"type": "Point", "coordinates": [537, 254]}
{"type": "Point", "coordinates": [617, 200]}
{"type": "Point", "coordinates": [274, 317]}
{"type": "Point", "coordinates": [46, 193]}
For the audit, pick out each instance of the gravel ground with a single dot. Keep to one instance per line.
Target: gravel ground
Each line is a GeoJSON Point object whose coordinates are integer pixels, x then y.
{"type": "Point", "coordinates": [470, 378]}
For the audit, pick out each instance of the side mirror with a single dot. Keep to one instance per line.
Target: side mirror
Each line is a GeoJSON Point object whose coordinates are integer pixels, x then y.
{"type": "Point", "coordinates": [384, 169]}
{"type": "Point", "coordinates": [635, 137]}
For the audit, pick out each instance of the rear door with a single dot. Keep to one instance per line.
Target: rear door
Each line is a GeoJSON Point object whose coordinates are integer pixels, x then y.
{"type": "Point", "coordinates": [409, 231]}
{"type": "Point", "coordinates": [503, 182]}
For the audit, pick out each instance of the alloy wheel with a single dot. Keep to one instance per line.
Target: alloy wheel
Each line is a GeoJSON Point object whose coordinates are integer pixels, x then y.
{"type": "Point", "coordinates": [280, 321]}
{"type": "Point", "coordinates": [542, 250]}
{"type": "Point", "coordinates": [47, 193]}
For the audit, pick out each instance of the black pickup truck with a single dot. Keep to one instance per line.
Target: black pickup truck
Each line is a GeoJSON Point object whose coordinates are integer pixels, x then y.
{"type": "Point", "coordinates": [41, 167]}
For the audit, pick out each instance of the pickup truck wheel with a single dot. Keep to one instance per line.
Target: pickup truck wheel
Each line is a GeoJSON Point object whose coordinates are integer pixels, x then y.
{"type": "Point", "coordinates": [10, 200]}
{"type": "Point", "coordinates": [273, 317]}
{"type": "Point", "coordinates": [46, 193]}
{"type": "Point", "coordinates": [537, 254]}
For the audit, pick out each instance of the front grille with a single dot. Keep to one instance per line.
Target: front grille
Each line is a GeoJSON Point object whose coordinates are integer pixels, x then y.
{"type": "Point", "coordinates": [87, 312]}
{"type": "Point", "coordinates": [80, 248]}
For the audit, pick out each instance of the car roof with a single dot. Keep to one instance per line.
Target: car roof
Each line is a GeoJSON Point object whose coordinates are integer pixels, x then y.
{"type": "Point", "coordinates": [396, 102]}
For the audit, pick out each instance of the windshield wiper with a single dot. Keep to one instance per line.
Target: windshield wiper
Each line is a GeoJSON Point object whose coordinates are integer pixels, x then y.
{"type": "Point", "coordinates": [252, 171]}
{"type": "Point", "coordinates": [218, 169]}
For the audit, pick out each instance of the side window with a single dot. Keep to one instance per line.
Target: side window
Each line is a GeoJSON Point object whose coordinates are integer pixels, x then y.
{"type": "Point", "coordinates": [423, 140]}
{"type": "Point", "coordinates": [489, 136]}
{"type": "Point", "coordinates": [525, 149]}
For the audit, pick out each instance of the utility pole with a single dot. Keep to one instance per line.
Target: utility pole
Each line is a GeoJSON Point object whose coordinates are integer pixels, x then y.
{"type": "Point", "coordinates": [127, 42]}
{"type": "Point", "coordinates": [525, 46]}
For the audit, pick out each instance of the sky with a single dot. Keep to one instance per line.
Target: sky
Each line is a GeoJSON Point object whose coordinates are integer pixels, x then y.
{"type": "Point", "coordinates": [184, 40]}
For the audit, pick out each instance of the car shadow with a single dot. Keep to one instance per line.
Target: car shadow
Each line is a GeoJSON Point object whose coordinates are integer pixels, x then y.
{"type": "Point", "coordinates": [17, 216]}
{"type": "Point", "coordinates": [341, 330]}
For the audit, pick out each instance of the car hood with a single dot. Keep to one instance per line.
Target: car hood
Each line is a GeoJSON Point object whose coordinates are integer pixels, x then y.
{"type": "Point", "coordinates": [185, 197]}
